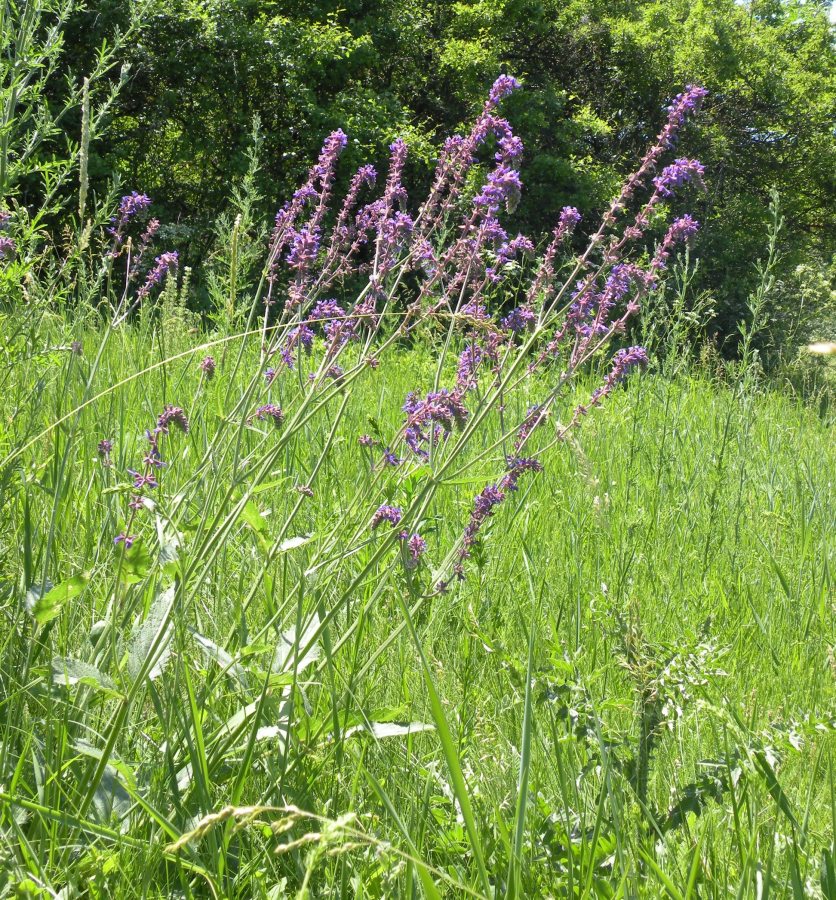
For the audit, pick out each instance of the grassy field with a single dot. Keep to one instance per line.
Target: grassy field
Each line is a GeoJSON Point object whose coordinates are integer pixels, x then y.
{"type": "Point", "coordinates": [629, 694]}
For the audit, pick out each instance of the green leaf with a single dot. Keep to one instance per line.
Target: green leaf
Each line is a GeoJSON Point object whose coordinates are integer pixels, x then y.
{"type": "Point", "coordinates": [69, 672]}
{"type": "Point", "coordinates": [49, 606]}
{"type": "Point", "coordinates": [137, 563]}
{"type": "Point", "coordinates": [251, 515]}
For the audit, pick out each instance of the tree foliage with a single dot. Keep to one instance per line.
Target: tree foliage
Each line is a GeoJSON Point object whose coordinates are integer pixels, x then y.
{"type": "Point", "coordinates": [597, 76]}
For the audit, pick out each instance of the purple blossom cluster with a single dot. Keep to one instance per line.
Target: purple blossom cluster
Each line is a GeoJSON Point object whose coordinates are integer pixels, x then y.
{"type": "Point", "coordinates": [148, 478]}
{"type": "Point", "coordinates": [8, 248]}
{"type": "Point", "coordinates": [269, 411]}
{"type": "Point", "coordinates": [486, 502]}
{"type": "Point", "coordinates": [163, 264]}
{"type": "Point", "coordinates": [681, 231]}
{"type": "Point", "coordinates": [623, 361]}
{"type": "Point", "coordinates": [385, 513]}
{"type": "Point", "coordinates": [104, 449]}
{"type": "Point", "coordinates": [435, 415]}
{"type": "Point", "coordinates": [130, 206]}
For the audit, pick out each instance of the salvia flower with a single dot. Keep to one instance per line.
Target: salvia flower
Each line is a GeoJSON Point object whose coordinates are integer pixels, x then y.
{"type": "Point", "coordinates": [207, 366]}
{"type": "Point", "coordinates": [126, 539]}
{"type": "Point", "coordinates": [105, 448]}
{"type": "Point", "coordinates": [469, 361]}
{"type": "Point", "coordinates": [390, 459]}
{"type": "Point", "coordinates": [502, 87]}
{"type": "Point", "coordinates": [533, 417]}
{"type": "Point", "coordinates": [623, 361]}
{"type": "Point", "coordinates": [8, 248]}
{"type": "Point", "coordinates": [680, 172]}
{"type": "Point", "coordinates": [517, 466]}
{"type": "Point", "coordinates": [143, 480]}
{"type": "Point", "coordinates": [681, 230]}
{"type": "Point", "coordinates": [164, 263]}
{"type": "Point", "coordinates": [520, 319]}
{"type": "Point", "coordinates": [269, 411]}
{"type": "Point", "coordinates": [439, 412]}
{"type": "Point", "coordinates": [390, 514]}
{"type": "Point", "coordinates": [483, 508]}
{"type": "Point", "coordinates": [172, 415]}
{"type": "Point", "coordinates": [129, 206]}
{"type": "Point", "coordinates": [366, 440]}
{"type": "Point", "coordinates": [416, 546]}
{"type": "Point", "coordinates": [270, 375]}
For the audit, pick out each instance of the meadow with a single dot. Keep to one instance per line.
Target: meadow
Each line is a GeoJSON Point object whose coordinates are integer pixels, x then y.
{"type": "Point", "coordinates": [413, 592]}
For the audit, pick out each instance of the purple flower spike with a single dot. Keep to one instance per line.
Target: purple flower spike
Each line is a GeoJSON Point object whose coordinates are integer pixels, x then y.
{"type": "Point", "coordinates": [520, 319]}
{"type": "Point", "coordinates": [502, 87]}
{"type": "Point", "coordinates": [678, 173]}
{"type": "Point", "coordinates": [207, 366]}
{"type": "Point", "coordinates": [126, 539]}
{"type": "Point", "coordinates": [172, 415]}
{"type": "Point", "coordinates": [390, 514]}
{"type": "Point", "coordinates": [269, 411]}
{"type": "Point", "coordinates": [104, 449]}
{"type": "Point", "coordinates": [8, 248]}
{"type": "Point", "coordinates": [390, 459]}
{"type": "Point", "coordinates": [143, 481]}
{"type": "Point", "coordinates": [682, 230]}
{"type": "Point", "coordinates": [164, 263]}
{"type": "Point", "coordinates": [416, 546]}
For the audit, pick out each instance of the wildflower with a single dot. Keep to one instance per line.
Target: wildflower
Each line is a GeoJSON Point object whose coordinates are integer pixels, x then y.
{"type": "Point", "coordinates": [304, 248]}
{"type": "Point", "coordinates": [172, 414]}
{"type": "Point", "coordinates": [126, 539]}
{"type": "Point", "coordinates": [302, 336]}
{"type": "Point", "coordinates": [390, 459]}
{"type": "Point", "coordinates": [8, 248]}
{"type": "Point", "coordinates": [5, 218]}
{"type": "Point", "coordinates": [142, 480]}
{"type": "Point", "coordinates": [130, 205]}
{"type": "Point", "coordinates": [416, 546]}
{"type": "Point", "coordinates": [534, 416]}
{"type": "Point", "coordinates": [623, 361]}
{"type": "Point", "coordinates": [681, 230]}
{"type": "Point", "coordinates": [269, 411]}
{"type": "Point", "coordinates": [372, 362]}
{"type": "Point", "coordinates": [145, 240]}
{"type": "Point", "coordinates": [105, 448]}
{"type": "Point", "coordinates": [162, 264]}
{"type": "Point", "coordinates": [502, 87]}
{"type": "Point", "coordinates": [440, 411]}
{"type": "Point", "coordinates": [520, 319]}
{"type": "Point", "coordinates": [137, 503]}
{"type": "Point", "coordinates": [678, 173]}
{"type": "Point", "coordinates": [305, 489]}
{"type": "Point", "coordinates": [366, 440]}
{"type": "Point", "coordinates": [391, 514]}
{"type": "Point", "coordinates": [483, 507]}
{"type": "Point", "coordinates": [207, 366]}
{"type": "Point", "coordinates": [517, 465]}
{"type": "Point", "coordinates": [269, 376]}
{"type": "Point", "coordinates": [469, 361]}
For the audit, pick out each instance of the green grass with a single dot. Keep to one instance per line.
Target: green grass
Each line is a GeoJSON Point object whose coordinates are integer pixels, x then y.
{"type": "Point", "coordinates": [631, 694]}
